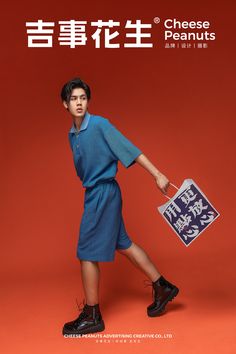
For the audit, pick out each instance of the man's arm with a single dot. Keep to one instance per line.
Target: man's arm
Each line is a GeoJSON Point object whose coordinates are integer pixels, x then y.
{"type": "Point", "coordinates": [161, 180]}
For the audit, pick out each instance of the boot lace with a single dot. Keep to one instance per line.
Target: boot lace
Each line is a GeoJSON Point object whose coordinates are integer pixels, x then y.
{"type": "Point", "coordinates": [148, 282]}
{"type": "Point", "coordinates": [81, 308]}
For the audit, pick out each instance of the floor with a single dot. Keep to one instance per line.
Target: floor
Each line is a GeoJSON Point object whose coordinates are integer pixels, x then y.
{"type": "Point", "coordinates": [199, 320]}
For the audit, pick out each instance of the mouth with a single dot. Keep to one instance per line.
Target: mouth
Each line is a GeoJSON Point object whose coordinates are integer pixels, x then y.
{"type": "Point", "coordinates": [79, 109]}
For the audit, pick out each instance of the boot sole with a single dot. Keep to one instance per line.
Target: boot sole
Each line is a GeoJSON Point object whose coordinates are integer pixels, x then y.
{"type": "Point", "coordinates": [161, 309]}
{"type": "Point", "coordinates": [98, 328]}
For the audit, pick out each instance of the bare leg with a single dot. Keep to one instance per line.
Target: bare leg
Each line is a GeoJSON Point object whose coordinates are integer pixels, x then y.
{"type": "Point", "coordinates": [90, 274]}
{"type": "Point", "coordinates": [141, 260]}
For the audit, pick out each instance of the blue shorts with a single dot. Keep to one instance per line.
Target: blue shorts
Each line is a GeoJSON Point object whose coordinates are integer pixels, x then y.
{"type": "Point", "coordinates": [102, 228]}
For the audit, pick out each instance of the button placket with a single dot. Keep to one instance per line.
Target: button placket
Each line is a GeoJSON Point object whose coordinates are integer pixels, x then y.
{"type": "Point", "coordinates": [77, 140]}
{"type": "Point", "coordinates": [76, 144]}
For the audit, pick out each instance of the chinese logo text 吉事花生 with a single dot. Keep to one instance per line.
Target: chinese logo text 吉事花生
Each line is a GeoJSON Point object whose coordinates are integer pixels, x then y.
{"type": "Point", "coordinates": [73, 33]}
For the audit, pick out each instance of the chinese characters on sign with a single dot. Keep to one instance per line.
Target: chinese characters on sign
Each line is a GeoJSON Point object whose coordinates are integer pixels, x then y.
{"type": "Point", "coordinates": [189, 213]}
{"type": "Point", "coordinates": [73, 33]}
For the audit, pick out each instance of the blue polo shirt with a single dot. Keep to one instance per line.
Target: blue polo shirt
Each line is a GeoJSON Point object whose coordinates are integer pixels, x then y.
{"type": "Point", "coordinates": [97, 147]}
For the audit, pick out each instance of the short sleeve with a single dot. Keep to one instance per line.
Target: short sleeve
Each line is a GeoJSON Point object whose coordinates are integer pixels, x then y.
{"type": "Point", "coordinates": [122, 148]}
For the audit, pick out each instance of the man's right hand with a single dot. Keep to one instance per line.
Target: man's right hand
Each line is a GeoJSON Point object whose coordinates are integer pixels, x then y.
{"type": "Point", "coordinates": [162, 183]}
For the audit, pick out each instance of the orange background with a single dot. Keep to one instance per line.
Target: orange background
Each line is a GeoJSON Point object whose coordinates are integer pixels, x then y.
{"type": "Point", "coordinates": [178, 107]}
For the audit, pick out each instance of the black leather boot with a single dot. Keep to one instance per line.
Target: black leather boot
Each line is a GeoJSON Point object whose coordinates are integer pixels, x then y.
{"type": "Point", "coordinates": [89, 321]}
{"type": "Point", "coordinates": [162, 292]}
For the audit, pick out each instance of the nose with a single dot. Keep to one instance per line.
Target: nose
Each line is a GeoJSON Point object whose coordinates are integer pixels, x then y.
{"type": "Point", "coordinates": [78, 101]}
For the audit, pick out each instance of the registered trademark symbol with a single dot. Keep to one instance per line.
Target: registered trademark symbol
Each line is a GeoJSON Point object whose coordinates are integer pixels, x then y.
{"type": "Point", "coordinates": [156, 20]}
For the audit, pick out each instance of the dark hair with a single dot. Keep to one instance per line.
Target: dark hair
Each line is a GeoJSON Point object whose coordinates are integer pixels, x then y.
{"type": "Point", "coordinates": [70, 85]}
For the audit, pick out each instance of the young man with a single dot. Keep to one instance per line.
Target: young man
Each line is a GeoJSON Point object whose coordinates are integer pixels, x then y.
{"type": "Point", "coordinates": [97, 147]}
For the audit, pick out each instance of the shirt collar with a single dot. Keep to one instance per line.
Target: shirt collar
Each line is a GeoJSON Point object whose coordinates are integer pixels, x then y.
{"type": "Point", "coordinates": [84, 124]}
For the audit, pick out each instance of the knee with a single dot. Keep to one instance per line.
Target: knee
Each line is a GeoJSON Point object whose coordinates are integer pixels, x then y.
{"type": "Point", "coordinates": [126, 251]}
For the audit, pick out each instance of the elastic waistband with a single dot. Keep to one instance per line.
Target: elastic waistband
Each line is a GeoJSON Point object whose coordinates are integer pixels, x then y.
{"type": "Point", "coordinates": [100, 182]}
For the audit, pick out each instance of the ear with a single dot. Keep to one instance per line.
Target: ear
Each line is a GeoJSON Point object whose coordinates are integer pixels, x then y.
{"type": "Point", "coordinates": [65, 104]}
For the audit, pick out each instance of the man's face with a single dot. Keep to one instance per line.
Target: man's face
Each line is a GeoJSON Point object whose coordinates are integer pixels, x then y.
{"type": "Point", "coordinates": [78, 103]}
